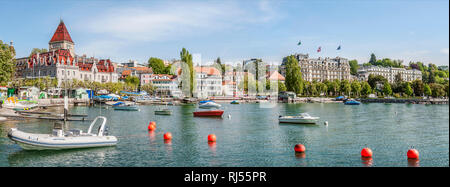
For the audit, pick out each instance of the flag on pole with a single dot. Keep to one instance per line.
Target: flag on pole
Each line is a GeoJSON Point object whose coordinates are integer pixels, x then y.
{"type": "Point", "coordinates": [299, 43]}
{"type": "Point", "coordinates": [339, 48]}
{"type": "Point", "coordinates": [320, 49]}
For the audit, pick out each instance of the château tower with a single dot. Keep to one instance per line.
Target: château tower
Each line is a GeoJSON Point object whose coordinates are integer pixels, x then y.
{"type": "Point", "coordinates": [61, 40]}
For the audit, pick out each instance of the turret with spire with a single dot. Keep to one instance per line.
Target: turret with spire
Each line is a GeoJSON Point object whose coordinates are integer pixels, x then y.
{"type": "Point", "coordinates": [61, 39]}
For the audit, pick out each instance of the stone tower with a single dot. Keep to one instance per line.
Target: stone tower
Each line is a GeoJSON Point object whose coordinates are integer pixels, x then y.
{"type": "Point", "coordinates": [61, 40]}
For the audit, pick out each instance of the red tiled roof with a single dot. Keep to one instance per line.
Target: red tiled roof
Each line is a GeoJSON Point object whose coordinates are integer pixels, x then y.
{"type": "Point", "coordinates": [61, 34]}
{"type": "Point", "coordinates": [208, 70]}
{"type": "Point", "coordinates": [276, 76]}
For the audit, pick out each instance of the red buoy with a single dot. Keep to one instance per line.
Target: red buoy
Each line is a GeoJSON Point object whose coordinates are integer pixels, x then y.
{"type": "Point", "coordinates": [211, 138]}
{"type": "Point", "coordinates": [413, 154]}
{"type": "Point", "coordinates": [151, 127]}
{"type": "Point", "coordinates": [168, 136]}
{"type": "Point", "coordinates": [366, 152]}
{"type": "Point", "coordinates": [299, 148]}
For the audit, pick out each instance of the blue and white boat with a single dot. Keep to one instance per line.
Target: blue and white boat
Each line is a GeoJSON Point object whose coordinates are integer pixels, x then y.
{"type": "Point", "coordinates": [209, 104]}
{"type": "Point", "coordinates": [60, 139]}
{"type": "Point", "coordinates": [352, 102]}
{"type": "Point", "coordinates": [124, 106]}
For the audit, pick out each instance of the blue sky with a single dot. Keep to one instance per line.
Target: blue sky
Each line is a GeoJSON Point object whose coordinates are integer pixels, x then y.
{"type": "Point", "coordinates": [235, 30]}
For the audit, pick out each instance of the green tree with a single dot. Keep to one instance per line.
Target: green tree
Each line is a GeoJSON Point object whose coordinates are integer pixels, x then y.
{"type": "Point", "coordinates": [373, 59]}
{"type": "Point", "coordinates": [186, 57]}
{"type": "Point", "coordinates": [387, 89]}
{"type": "Point", "coordinates": [353, 67]}
{"type": "Point", "coordinates": [374, 79]}
{"type": "Point", "coordinates": [366, 89]}
{"type": "Point", "coordinates": [346, 87]}
{"type": "Point", "coordinates": [408, 90]}
{"type": "Point", "coordinates": [131, 80]}
{"type": "Point", "coordinates": [148, 88]}
{"type": "Point", "coordinates": [438, 90]}
{"type": "Point", "coordinates": [157, 65]}
{"type": "Point", "coordinates": [37, 50]}
{"type": "Point", "coordinates": [418, 87]}
{"type": "Point", "coordinates": [356, 88]}
{"type": "Point", "coordinates": [427, 90]}
{"type": "Point", "coordinates": [431, 76]}
{"type": "Point", "coordinates": [293, 75]}
{"type": "Point", "coordinates": [281, 87]}
{"type": "Point", "coordinates": [7, 63]}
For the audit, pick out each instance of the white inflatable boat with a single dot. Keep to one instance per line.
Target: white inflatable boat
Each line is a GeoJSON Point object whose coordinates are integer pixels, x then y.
{"type": "Point", "coordinates": [64, 140]}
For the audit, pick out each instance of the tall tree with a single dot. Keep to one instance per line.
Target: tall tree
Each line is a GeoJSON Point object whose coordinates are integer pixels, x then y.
{"type": "Point", "coordinates": [132, 80]}
{"type": "Point", "coordinates": [418, 87]}
{"type": "Point", "coordinates": [346, 87]}
{"type": "Point", "coordinates": [427, 90]}
{"type": "Point", "coordinates": [353, 67]}
{"type": "Point", "coordinates": [7, 63]}
{"type": "Point", "coordinates": [293, 75]}
{"type": "Point", "coordinates": [373, 59]}
{"type": "Point", "coordinates": [366, 89]}
{"type": "Point", "coordinates": [408, 89]}
{"type": "Point", "coordinates": [356, 88]}
{"type": "Point", "coordinates": [387, 89]}
{"type": "Point", "coordinates": [186, 57]}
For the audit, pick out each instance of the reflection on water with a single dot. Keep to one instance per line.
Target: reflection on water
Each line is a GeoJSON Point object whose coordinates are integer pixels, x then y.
{"type": "Point", "coordinates": [367, 161]}
{"type": "Point", "coordinates": [251, 137]}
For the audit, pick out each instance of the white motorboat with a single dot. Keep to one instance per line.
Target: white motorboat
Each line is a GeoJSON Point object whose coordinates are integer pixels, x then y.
{"type": "Point", "coordinates": [209, 104]}
{"type": "Point", "coordinates": [59, 139]}
{"type": "Point", "coordinates": [303, 118]}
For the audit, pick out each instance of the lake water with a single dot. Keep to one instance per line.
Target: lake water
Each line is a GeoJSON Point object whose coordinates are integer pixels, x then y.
{"type": "Point", "coordinates": [252, 137]}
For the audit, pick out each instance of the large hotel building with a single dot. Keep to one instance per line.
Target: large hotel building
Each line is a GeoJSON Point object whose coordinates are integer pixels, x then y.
{"type": "Point", "coordinates": [62, 63]}
{"type": "Point", "coordinates": [321, 69]}
{"type": "Point", "coordinates": [389, 73]}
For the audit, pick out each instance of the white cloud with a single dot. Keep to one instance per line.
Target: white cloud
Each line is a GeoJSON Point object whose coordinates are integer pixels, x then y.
{"type": "Point", "coordinates": [174, 20]}
{"type": "Point", "coordinates": [445, 51]}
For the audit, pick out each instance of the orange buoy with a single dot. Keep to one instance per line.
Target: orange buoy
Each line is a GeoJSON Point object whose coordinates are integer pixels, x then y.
{"type": "Point", "coordinates": [211, 138]}
{"type": "Point", "coordinates": [413, 154]}
{"type": "Point", "coordinates": [152, 123]}
{"type": "Point", "coordinates": [299, 148]}
{"type": "Point", "coordinates": [168, 136]}
{"type": "Point", "coordinates": [366, 152]}
{"type": "Point", "coordinates": [151, 127]}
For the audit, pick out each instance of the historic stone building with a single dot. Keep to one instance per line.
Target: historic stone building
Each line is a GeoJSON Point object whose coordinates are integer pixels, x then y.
{"type": "Point", "coordinates": [389, 73]}
{"type": "Point", "coordinates": [321, 69]}
{"type": "Point", "coordinates": [62, 63]}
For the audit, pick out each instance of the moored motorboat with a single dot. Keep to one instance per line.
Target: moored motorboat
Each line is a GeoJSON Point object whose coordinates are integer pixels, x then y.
{"type": "Point", "coordinates": [127, 107]}
{"type": "Point", "coordinates": [303, 118]}
{"type": "Point", "coordinates": [60, 139]}
{"type": "Point", "coordinates": [165, 111]}
{"type": "Point", "coordinates": [234, 102]}
{"type": "Point", "coordinates": [209, 113]}
{"type": "Point", "coordinates": [209, 104]}
{"type": "Point", "coordinates": [352, 102]}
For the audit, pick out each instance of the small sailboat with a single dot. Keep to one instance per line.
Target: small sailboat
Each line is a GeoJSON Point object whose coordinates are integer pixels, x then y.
{"type": "Point", "coordinates": [303, 118]}
{"type": "Point", "coordinates": [60, 139]}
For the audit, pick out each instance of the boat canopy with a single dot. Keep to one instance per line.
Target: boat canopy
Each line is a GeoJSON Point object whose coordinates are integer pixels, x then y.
{"type": "Point", "coordinates": [132, 93]}
{"type": "Point", "coordinates": [206, 101]}
{"type": "Point", "coordinates": [118, 103]}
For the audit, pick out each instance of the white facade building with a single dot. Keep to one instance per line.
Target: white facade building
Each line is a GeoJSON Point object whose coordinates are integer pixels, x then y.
{"type": "Point", "coordinates": [389, 73]}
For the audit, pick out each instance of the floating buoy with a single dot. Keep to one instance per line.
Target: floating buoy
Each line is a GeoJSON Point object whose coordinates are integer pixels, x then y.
{"type": "Point", "coordinates": [229, 116]}
{"type": "Point", "coordinates": [211, 138]}
{"type": "Point", "coordinates": [299, 148]}
{"type": "Point", "coordinates": [326, 123]}
{"type": "Point", "coordinates": [168, 136]}
{"type": "Point", "coordinates": [152, 123]}
{"type": "Point", "coordinates": [151, 127]}
{"type": "Point", "coordinates": [413, 154]}
{"type": "Point", "coordinates": [366, 152]}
